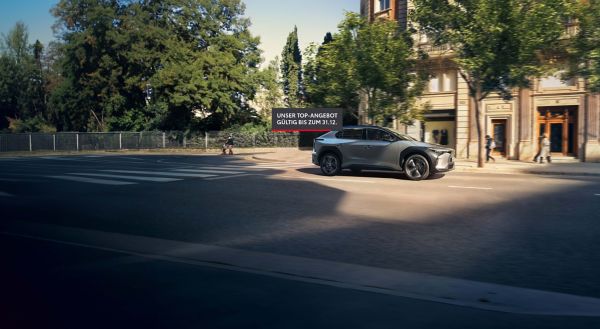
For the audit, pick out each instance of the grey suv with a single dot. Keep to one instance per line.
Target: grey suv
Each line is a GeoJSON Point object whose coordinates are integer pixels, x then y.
{"type": "Point", "coordinates": [372, 147]}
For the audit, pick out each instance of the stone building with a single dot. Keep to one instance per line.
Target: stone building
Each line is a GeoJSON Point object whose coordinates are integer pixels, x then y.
{"type": "Point", "coordinates": [563, 110]}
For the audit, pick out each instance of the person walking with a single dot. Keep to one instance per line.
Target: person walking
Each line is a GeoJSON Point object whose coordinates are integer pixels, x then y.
{"type": "Point", "coordinates": [544, 149]}
{"type": "Point", "coordinates": [490, 144]}
{"type": "Point", "coordinates": [228, 145]}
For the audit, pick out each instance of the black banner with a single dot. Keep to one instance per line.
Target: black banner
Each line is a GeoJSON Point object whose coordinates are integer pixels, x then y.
{"type": "Point", "coordinates": [316, 119]}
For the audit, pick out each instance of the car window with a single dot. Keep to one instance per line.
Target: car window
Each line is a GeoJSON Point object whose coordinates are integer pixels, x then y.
{"type": "Point", "coordinates": [353, 133]}
{"type": "Point", "coordinates": [379, 135]}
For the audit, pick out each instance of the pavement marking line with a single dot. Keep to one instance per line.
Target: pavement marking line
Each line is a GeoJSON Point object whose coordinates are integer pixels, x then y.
{"type": "Point", "coordinates": [5, 194]}
{"type": "Point", "coordinates": [228, 177]}
{"type": "Point", "coordinates": [91, 180]}
{"type": "Point", "coordinates": [327, 179]}
{"type": "Point", "coordinates": [140, 178]}
{"type": "Point", "coordinates": [232, 167]}
{"type": "Point", "coordinates": [472, 187]}
{"type": "Point", "coordinates": [206, 171]}
{"type": "Point", "coordinates": [597, 194]}
{"type": "Point", "coordinates": [57, 158]}
{"type": "Point", "coordinates": [458, 292]}
{"type": "Point", "coordinates": [159, 173]}
{"type": "Point", "coordinates": [130, 158]}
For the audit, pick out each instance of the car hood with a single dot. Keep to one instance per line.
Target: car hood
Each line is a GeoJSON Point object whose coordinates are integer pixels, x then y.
{"type": "Point", "coordinates": [423, 144]}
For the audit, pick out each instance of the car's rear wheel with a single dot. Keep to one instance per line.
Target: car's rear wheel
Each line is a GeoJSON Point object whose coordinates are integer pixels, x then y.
{"type": "Point", "coordinates": [330, 164]}
{"type": "Point", "coordinates": [416, 167]}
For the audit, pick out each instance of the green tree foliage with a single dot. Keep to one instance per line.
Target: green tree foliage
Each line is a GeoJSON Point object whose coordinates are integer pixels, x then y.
{"type": "Point", "coordinates": [167, 64]}
{"type": "Point", "coordinates": [291, 71]}
{"type": "Point", "coordinates": [497, 45]}
{"type": "Point", "coordinates": [375, 60]}
{"type": "Point", "coordinates": [270, 94]}
{"type": "Point", "coordinates": [585, 48]}
{"type": "Point", "coordinates": [22, 82]}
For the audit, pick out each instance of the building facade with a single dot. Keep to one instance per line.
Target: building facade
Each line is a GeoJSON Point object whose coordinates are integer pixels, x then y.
{"type": "Point", "coordinates": [563, 110]}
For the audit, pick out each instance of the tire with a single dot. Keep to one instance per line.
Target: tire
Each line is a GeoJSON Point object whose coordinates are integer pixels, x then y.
{"type": "Point", "coordinates": [416, 167]}
{"type": "Point", "coordinates": [330, 164]}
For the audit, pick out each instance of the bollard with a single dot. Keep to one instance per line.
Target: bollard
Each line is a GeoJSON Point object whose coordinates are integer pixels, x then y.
{"type": "Point", "coordinates": [120, 140]}
{"type": "Point", "coordinates": [164, 140]}
{"type": "Point", "coordinates": [53, 142]}
{"type": "Point", "coordinates": [30, 146]}
{"type": "Point", "coordinates": [206, 141]}
{"type": "Point", "coordinates": [77, 140]}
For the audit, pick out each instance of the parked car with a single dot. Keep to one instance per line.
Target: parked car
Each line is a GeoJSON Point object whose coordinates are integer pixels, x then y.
{"type": "Point", "coordinates": [371, 147]}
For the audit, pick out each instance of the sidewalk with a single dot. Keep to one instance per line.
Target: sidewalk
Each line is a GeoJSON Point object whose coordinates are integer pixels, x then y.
{"type": "Point", "coordinates": [501, 166]}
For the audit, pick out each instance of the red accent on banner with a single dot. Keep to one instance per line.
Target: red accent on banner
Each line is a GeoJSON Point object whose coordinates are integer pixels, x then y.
{"type": "Point", "coordinates": [305, 131]}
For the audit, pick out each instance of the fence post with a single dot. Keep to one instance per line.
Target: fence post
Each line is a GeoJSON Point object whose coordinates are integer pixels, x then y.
{"type": "Point", "coordinates": [164, 140]}
{"type": "Point", "coordinates": [53, 142]}
{"type": "Point", "coordinates": [141, 143]}
{"type": "Point", "coordinates": [206, 141]}
{"type": "Point", "coordinates": [184, 141]}
{"type": "Point", "coordinates": [254, 140]}
{"type": "Point", "coordinates": [77, 140]}
{"type": "Point", "coordinates": [120, 140]}
{"type": "Point", "coordinates": [30, 146]}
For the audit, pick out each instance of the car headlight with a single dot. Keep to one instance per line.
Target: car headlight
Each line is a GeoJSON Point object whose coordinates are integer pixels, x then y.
{"type": "Point", "coordinates": [439, 151]}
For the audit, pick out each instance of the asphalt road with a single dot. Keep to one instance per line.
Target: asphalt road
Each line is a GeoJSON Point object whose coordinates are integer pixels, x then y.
{"type": "Point", "coordinates": [505, 231]}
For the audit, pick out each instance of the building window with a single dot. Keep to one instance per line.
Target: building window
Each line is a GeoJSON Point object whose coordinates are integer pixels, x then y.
{"type": "Point", "coordinates": [444, 81]}
{"type": "Point", "coordinates": [449, 80]}
{"type": "Point", "coordinates": [434, 84]}
{"type": "Point", "coordinates": [381, 5]}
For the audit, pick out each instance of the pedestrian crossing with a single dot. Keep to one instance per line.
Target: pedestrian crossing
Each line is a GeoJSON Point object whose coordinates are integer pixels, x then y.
{"type": "Point", "coordinates": [124, 177]}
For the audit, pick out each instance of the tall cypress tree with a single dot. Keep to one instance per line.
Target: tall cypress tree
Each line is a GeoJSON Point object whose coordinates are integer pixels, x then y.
{"type": "Point", "coordinates": [291, 71]}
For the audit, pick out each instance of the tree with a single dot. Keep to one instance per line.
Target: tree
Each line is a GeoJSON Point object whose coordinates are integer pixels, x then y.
{"type": "Point", "coordinates": [168, 64]}
{"type": "Point", "coordinates": [496, 45]}
{"type": "Point", "coordinates": [270, 94]}
{"type": "Point", "coordinates": [373, 60]}
{"type": "Point", "coordinates": [585, 49]}
{"type": "Point", "coordinates": [22, 95]}
{"type": "Point", "coordinates": [291, 71]}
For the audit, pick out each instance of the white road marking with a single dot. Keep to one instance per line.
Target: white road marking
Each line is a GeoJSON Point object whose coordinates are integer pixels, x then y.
{"type": "Point", "coordinates": [140, 178]}
{"type": "Point", "coordinates": [160, 173]}
{"type": "Point", "coordinates": [328, 179]}
{"type": "Point", "coordinates": [203, 171]}
{"type": "Point", "coordinates": [597, 194]}
{"type": "Point", "coordinates": [55, 158]}
{"type": "Point", "coordinates": [472, 187]}
{"type": "Point", "coordinates": [231, 176]}
{"type": "Point", "coordinates": [231, 167]}
{"type": "Point", "coordinates": [91, 180]}
{"type": "Point", "coordinates": [279, 166]}
{"type": "Point", "coordinates": [131, 158]}
{"type": "Point", "coordinates": [4, 194]}
{"type": "Point", "coordinates": [453, 291]}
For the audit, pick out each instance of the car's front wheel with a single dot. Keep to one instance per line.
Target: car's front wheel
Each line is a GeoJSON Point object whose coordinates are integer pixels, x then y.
{"type": "Point", "coordinates": [416, 167]}
{"type": "Point", "coordinates": [330, 164]}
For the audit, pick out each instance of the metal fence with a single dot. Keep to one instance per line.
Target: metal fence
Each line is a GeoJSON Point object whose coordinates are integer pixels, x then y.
{"type": "Point", "coordinates": [73, 141]}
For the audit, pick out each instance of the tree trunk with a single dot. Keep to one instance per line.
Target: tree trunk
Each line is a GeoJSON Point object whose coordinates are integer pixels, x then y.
{"type": "Point", "coordinates": [480, 132]}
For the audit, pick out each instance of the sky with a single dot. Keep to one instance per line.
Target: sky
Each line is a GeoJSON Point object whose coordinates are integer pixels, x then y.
{"type": "Point", "coordinates": [272, 20]}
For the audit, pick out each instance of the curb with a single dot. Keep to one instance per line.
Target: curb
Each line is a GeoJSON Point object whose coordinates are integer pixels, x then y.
{"type": "Point", "coordinates": [483, 170]}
